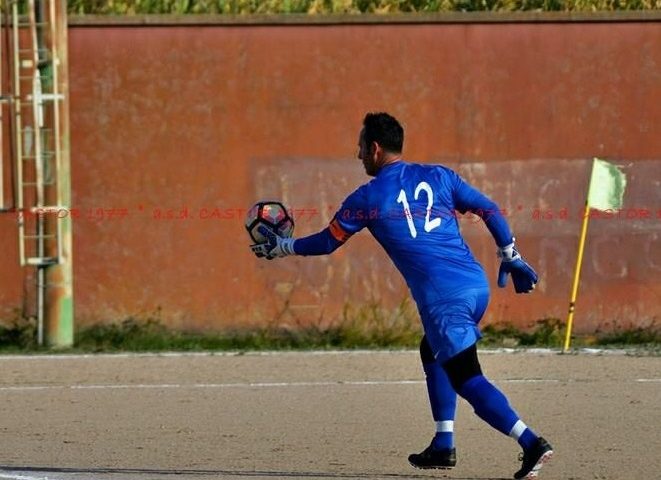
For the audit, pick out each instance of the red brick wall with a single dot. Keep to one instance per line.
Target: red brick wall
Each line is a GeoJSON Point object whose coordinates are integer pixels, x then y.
{"type": "Point", "coordinates": [203, 117]}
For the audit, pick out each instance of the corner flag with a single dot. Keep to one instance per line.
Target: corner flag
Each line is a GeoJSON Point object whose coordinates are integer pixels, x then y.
{"type": "Point", "coordinates": [607, 184]}
{"type": "Point", "coordinates": [605, 192]}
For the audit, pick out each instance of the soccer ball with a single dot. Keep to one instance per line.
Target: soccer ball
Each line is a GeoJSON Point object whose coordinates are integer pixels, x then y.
{"type": "Point", "coordinates": [273, 215]}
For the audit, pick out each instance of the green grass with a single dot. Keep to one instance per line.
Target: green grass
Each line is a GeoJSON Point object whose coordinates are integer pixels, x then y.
{"type": "Point", "coordinates": [634, 336]}
{"type": "Point", "coordinates": [547, 332]}
{"type": "Point", "coordinates": [550, 332]}
{"type": "Point", "coordinates": [321, 7]}
{"type": "Point", "coordinates": [366, 327]}
{"type": "Point", "coordinates": [18, 334]}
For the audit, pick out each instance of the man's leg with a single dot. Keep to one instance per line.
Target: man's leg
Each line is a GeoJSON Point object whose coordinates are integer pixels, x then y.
{"type": "Point", "coordinates": [492, 406]}
{"type": "Point", "coordinates": [442, 397]}
{"type": "Point", "coordinates": [443, 401]}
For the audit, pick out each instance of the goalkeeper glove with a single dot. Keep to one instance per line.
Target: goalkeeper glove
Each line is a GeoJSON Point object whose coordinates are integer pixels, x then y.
{"type": "Point", "coordinates": [523, 275]}
{"type": "Point", "coordinates": [275, 245]}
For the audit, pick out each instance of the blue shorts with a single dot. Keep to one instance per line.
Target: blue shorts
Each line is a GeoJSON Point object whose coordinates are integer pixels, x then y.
{"type": "Point", "coordinates": [451, 325]}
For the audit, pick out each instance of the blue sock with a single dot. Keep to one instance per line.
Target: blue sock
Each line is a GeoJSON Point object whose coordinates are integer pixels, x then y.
{"type": "Point", "coordinates": [522, 434]}
{"type": "Point", "coordinates": [443, 400]}
{"type": "Point", "coordinates": [443, 440]}
{"type": "Point", "coordinates": [527, 439]}
{"type": "Point", "coordinates": [492, 406]}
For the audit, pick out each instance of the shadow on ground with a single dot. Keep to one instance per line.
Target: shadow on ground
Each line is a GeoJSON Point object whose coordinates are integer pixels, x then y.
{"type": "Point", "coordinates": [225, 473]}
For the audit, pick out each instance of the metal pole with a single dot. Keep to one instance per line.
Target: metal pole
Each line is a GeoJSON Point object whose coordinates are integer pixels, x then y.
{"type": "Point", "coordinates": [577, 276]}
{"type": "Point", "coordinates": [38, 124]}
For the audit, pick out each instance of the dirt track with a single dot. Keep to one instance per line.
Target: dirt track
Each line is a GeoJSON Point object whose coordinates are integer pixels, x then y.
{"type": "Point", "coordinates": [298, 415]}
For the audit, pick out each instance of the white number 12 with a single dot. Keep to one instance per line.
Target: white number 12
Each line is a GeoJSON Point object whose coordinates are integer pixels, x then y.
{"type": "Point", "coordinates": [429, 224]}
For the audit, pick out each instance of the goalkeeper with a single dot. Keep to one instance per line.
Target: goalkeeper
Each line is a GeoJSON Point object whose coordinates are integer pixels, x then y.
{"type": "Point", "coordinates": [409, 209]}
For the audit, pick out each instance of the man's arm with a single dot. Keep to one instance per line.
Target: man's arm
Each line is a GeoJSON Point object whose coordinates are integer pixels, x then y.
{"type": "Point", "coordinates": [323, 243]}
{"type": "Point", "coordinates": [469, 199]}
{"type": "Point", "coordinates": [320, 243]}
{"type": "Point", "coordinates": [347, 221]}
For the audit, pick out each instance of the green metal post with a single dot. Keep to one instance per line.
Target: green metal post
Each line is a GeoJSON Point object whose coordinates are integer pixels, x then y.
{"type": "Point", "coordinates": [59, 312]}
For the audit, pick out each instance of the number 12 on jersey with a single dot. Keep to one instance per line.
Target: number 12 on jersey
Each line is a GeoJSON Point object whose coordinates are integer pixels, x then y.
{"type": "Point", "coordinates": [430, 224]}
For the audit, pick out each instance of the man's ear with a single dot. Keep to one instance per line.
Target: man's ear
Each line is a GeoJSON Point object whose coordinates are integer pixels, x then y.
{"type": "Point", "coordinates": [376, 151]}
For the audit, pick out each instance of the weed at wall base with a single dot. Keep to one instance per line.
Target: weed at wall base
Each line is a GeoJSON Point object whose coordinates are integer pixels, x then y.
{"type": "Point", "coordinates": [367, 326]}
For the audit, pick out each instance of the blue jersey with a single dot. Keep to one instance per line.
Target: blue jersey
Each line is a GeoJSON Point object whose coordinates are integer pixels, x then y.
{"type": "Point", "coordinates": [410, 210]}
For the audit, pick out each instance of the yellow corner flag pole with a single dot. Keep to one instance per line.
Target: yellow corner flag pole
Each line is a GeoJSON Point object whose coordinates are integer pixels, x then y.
{"type": "Point", "coordinates": [577, 275]}
{"type": "Point", "coordinates": [605, 192]}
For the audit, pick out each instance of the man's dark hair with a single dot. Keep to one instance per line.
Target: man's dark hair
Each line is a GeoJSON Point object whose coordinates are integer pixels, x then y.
{"type": "Point", "coordinates": [385, 130]}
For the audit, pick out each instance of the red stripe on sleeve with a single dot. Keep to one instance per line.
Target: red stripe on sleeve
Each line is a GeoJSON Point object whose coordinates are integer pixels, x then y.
{"type": "Point", "coordinates": [338, 232]}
